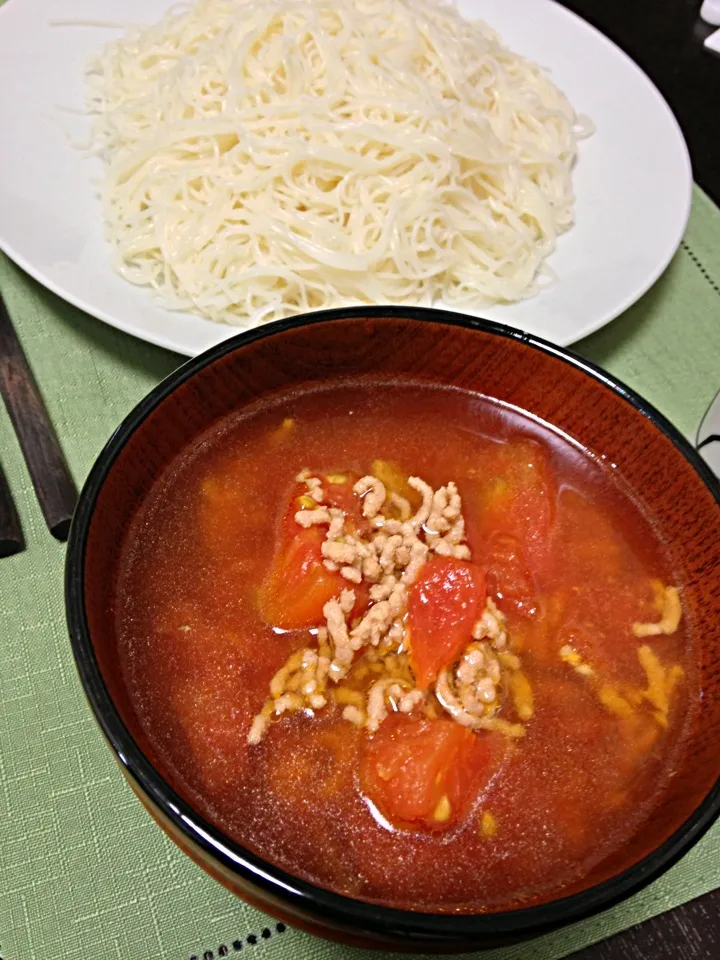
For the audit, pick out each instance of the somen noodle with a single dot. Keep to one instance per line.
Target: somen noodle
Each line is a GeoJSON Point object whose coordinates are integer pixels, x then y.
{"type": "Point", "coordinates": [265, 158]}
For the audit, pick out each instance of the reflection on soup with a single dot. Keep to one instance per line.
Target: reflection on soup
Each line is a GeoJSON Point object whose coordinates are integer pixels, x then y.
{"type": "Point", "coordinates": [406, 643]}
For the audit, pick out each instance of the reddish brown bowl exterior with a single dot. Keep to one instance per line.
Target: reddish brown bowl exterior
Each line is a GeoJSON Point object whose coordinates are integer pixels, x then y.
{"type": "Point", "coordinates": [430, 347]}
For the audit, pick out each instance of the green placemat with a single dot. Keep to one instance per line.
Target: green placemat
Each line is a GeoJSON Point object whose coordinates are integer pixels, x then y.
{"type": "Point", "coordinates": [84, 872]}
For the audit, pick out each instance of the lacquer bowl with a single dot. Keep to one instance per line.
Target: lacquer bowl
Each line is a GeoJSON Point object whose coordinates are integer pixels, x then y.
{"type": "Point", "coordinates": [439, 348]}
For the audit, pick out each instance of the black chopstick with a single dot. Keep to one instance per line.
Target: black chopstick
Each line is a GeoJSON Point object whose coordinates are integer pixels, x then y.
{"type": "Point", "coordinates": [11, 538]}
{"type": "Point", "coordinates": [54, 487]}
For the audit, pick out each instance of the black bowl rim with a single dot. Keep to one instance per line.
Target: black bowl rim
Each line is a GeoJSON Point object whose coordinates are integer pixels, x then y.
{"type": "Point", "coordinates": [306, 898]}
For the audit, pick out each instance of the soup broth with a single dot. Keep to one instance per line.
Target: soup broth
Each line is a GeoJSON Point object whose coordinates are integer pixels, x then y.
{"type": "Point", "coordinates": [505, 728]}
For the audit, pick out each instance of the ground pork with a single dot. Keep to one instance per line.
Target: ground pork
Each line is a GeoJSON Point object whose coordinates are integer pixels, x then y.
{"type": "Point", "coordinates": [314, 485]}
{"type": "Point", "coordinates": [390, 692]}
{"type": "Point", "coordinates": [491, 625]}
{"type": "Point", "coordinates": [299, 684]}
{"type": "Point", "coordinates": [670, 620]}
{"type": "Point", "coordinates": [470, 690]}
{"type": "Point", "coordinates": [389, 559]}
{"type": "Point", "coordinates": [372, 492]}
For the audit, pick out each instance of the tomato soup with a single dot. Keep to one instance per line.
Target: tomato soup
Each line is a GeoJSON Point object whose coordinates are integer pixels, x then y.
{"type": "Point", "coordinates": [406, 643]}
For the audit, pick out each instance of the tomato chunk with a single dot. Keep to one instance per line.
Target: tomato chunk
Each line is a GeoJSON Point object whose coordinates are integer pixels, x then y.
{"type": "Point", "coordinates": [298, 585]}
{"type": "Point", "coordinates": [508, 576]}
{"type": "Point", "coordinates": [443, 605]}
{"type": "Point", "coordinates": [294, 593]}
{"type": "Point", "coordinates": [426, 772]}
{"type": "Point", "coordinates": [518, 499]}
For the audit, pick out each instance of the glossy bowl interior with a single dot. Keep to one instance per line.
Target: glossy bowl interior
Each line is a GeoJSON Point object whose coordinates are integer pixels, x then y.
{"type": "Point", "coordinates": [438, 348]}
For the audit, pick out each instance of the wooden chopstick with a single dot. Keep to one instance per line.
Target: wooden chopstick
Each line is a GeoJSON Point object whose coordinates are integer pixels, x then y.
{"type": "Point", "coordinates": [11, 538]}
{"type": "Point", "coordinates": [54, 487]}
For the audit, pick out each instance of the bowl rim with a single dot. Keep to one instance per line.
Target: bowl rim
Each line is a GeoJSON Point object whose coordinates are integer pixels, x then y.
{"type": "Point", "coordinates": [301, 896]}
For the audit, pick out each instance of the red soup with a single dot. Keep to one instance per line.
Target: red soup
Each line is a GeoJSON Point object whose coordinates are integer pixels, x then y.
{"type": "Point", "coordinates": [406, 643]}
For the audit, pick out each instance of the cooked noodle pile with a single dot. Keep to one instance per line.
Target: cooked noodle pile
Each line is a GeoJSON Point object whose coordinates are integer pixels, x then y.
{"type": "Point", "coordinates": [265, 158]}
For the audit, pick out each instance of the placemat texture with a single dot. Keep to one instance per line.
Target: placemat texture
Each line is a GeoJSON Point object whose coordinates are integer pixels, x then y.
{"type": "Point", "coordinates": [84, 872]}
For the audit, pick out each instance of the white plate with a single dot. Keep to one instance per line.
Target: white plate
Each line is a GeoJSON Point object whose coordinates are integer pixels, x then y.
{"type": "Point", "coordinates": [633, 180]}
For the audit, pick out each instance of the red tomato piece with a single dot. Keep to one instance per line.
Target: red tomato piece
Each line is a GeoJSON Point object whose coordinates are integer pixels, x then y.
{"type": "Point", "coordinates": [299, 585]}
{"type": "Point", "coordinates": [508, 577]}
{"type": "Point", "coordinates": [519, 497]}
{"type": "Point", "coordinates": [443, 605]}
{"type": "Point", "coordinates": [425, 772]}
{"type": "Point", "coordinates": [341, 495]}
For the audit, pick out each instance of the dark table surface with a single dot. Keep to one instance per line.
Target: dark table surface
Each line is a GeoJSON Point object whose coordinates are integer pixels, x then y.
{"type": "Point", "coordinates": [666, 38]}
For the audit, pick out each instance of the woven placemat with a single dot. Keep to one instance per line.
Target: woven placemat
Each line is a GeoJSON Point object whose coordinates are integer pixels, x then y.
{"type": "Point", "coordinates": [84, 872]}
